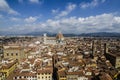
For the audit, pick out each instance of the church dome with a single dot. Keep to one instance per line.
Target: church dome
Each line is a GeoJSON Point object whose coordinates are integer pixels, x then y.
{"type": "Point", "coordinates": [59, 36]}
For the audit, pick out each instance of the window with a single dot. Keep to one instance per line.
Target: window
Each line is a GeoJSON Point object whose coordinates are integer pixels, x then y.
{"type": "Point", "coordinates": [15, 77]}
{"type": "Point", "coordinates": [11, 54]}
{"type": "Point", "coordinates": [7, 54]}
{"type": "Point", "coordinates": [20, 77]}
{"type": "Point", "coordinates": [16, 54]}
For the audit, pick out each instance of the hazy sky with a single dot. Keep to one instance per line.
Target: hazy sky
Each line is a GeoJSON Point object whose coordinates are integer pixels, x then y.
{"type": "Point", "coordinates": [68, 16]}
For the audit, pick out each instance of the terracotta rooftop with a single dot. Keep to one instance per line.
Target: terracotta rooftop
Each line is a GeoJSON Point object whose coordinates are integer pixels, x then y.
{"type": "Point", "coordinates": [50, 70]}
{"type": "Point", "coordinates": [80, 73]}
{"type": "Point", "coordinates": [61, 73]}
{"type": "Point", "coordinates": [8, 65]}
{"type": "Point", "coordinates": [25, 73]}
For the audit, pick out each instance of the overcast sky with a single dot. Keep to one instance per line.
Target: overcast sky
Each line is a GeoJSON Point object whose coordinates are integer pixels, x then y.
{"type": "Point", "coordinates": [67, 16]}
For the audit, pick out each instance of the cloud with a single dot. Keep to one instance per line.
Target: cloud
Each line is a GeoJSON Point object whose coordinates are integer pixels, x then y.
{"type": "Point", "coordinates": [34, 1]}
{"type": "Point", "coordinates": [4, 7]}
{"type": "Point", "coordinates": [15, 19]}
{"type": "Point", "coordinates": [93, 3]}
{"type": "Point", "coordinates": [31, 1]}
{"type": "Point", "coordinates": [117, 19]}
{"type": "Point", "coordinates": [54, 11]}
{"type": "Point", "coordinates": [30, 19]}
{"type": "Point", "coordinates": [99, 23]}
{"type": "Point", "coordinates": [70, 7]}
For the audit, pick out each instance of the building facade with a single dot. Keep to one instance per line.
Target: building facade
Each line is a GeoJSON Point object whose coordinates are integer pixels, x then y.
{"type": "Point", "coordinates": [44, 74]}
{"type": "Point", "coordinates": [59, 39]}
{"type": "Point", "coordinates": [8, 67]}
{"type": "Point", "coordinates": [14, 52]}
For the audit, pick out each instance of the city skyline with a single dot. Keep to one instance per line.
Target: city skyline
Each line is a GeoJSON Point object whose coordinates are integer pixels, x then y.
{"type": "Point", "coordinates": [68, 16]}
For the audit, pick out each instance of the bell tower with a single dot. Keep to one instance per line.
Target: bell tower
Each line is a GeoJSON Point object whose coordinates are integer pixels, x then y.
{"type": "Point", "coordinates": [44, 38]}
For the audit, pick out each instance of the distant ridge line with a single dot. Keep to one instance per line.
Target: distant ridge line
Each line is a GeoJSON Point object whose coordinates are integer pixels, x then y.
{"type": "Point", "coordinates": [52, 34]}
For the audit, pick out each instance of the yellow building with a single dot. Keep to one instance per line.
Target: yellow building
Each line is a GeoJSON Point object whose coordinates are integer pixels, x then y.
{"type": "Point", "coordinates": [9, 67]}
{"type": "Point", "coordinates": [45, 74]}
{"type": "Point", "coordinates": [14, 52]}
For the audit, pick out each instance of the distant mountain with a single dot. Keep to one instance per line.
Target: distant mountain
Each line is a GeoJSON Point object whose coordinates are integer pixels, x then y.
{"type": "Point", "coordinates": [101, 34]}
{"type": "Point", "coordinates": [4, 33]}
{"type": "Point", "coordinates": [40, 33]}
{"type": "Point", "coordinates": [97, 34]}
